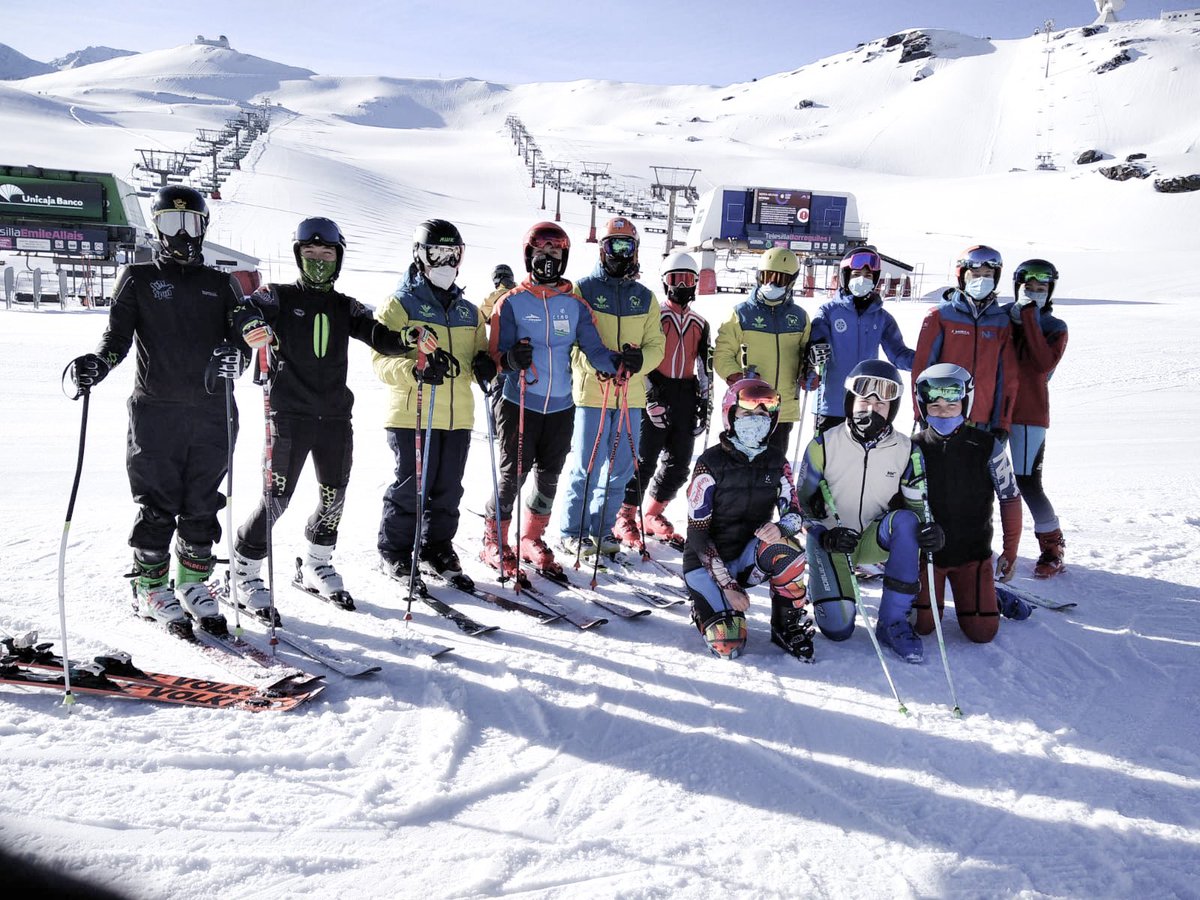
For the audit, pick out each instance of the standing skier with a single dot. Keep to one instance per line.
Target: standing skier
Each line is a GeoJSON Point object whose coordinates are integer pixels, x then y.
{"type": "Point", "coordinates": [503, 281]}
{"type": "Point", "coordinates": [865, 466]}
{"type": "Point", "coordinates": [534, 328]}
{"type": "Point", "coordinates": [182, 317]}
{"type": "Point", "coordinates": [856, 326]}
{"type": "Point", "coordinates": [1041, 341]}
{"type": "Point", "coordinates": [628, 319]}
{"type": "Point", "coordinates": [452, 338]}
{"type": "Point", "coordinates": [965, 469]}
{"type": "Point", "coordinates": [310, 407]}
{"type": "Point", "coordinates": [678, 406]}
{"type": "Point", "coordinates": [738, 485]}
{"type": "Point", "coordinates": [770, 333]}
{"type": "Point", "coordinates": [968, 328]}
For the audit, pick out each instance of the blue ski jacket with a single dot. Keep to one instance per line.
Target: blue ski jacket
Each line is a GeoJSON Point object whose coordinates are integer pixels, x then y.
{"type": "Point", "coordinates": [854, 336]}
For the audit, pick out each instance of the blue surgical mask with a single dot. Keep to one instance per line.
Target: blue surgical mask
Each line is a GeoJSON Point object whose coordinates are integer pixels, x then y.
{"type": "Point", "coordinates": [860, 285]}
{"type": "Point", "coordinates": [978, 288]}
{"type": "Point", "coordinates": [772, 292]}
{"type": "Point", "coordinates": [944, 426]}
{"type": "Point", "coordinates": [1037, 299]}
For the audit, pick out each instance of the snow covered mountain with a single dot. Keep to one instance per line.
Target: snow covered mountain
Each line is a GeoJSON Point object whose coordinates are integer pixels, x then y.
{"type": "Point", "coordinates": [87, 56]}
{"type": "Point", "coordinates": [551, 762]}
{"type": "Point", "coordinates": [16, 65]}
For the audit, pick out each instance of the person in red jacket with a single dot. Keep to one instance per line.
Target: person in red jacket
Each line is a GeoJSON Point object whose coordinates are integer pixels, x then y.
{"type": "Point", "coordinates": [968, 328]}
{"type": "Point", "coordinates": [1041, 340]}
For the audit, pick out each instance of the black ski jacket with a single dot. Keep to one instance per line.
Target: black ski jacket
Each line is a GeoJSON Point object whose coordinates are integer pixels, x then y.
{"type": "Point", "coordinates": [314, 330]}
{"type": "Point", "coordinates": [174, 316]}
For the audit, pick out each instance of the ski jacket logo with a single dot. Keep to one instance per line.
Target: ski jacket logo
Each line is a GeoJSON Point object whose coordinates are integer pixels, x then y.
{"type": "Point", "coordinates": [320, 335]}
{"type": "Point", "coordinates": [840, 326]}
{"type": "Point", "coordinates": [162, 290]}
{"type": "Point", "coordinates": [601, 302]}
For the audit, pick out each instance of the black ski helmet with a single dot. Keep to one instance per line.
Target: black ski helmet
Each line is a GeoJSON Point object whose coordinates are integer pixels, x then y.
{"type": "Point", "coordinates": [1040, 270]}
{"type": "Point", "coordinates": [503, 275]}
{"type": "Point", "coordinates": [180, 218]}
{"type": "Point", "coordinates": [439, 238]}
{"type": "Point", "coordinates": [878, 377]}
{"type": "Point", "coordinates": [319, 232]}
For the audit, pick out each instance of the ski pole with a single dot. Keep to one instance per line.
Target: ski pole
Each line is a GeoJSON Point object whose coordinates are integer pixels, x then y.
{"type": "Point", "coordinates": [622, 387]}
{"type": "Point", "coordinates": [520, 472]}
{"type": "Point", "coordinates": [233, 588]}
{"type": "Point", "coordinates": [264, 372]}
{"type": "Point", "coordinates": [488, 390]}
{"type": "Point", "coordinates": [858, 604]}
{"type": "Point", "coordinates": [587, 481]}
{"type": "Point", "coordinates": [800, 424]}
{"type": "Point", "coordinates": [919, 471]}
{"type": "Point", "coordinates": [637, 474]}
{"type": "Point", "coordinates": [68, 697]}
{"type": "Point", "coordinates": [418, 473]}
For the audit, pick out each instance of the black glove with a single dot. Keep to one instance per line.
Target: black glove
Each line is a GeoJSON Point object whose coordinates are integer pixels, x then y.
{"type": "Point", "coordinates": [819, 354]}
{"type": "Point", "coordinates": [226, 362]}
{"type": "Point", "coordinates": [388, 342]}
{"type": "Point", "coordinates": [519, 356]}
{"type": "Point", "coordinates": [931, 537]}
{"type": "Point", "coordinates": [704, 408]}
{"type": "Point", "coordinates": [631, 359]}
{"type": "Point", "coordinates": [436, 368]}
{"type": "Point", "coordinates": [840, 540]}
{"type": "Point", "coordinates": [1001, 435]}
{"type": "Point", "coordinates": [88, 370]}
{"type": "Point", "coordinates": [483, 367]}
{"type": "Point", "coordinates": [659, 415]}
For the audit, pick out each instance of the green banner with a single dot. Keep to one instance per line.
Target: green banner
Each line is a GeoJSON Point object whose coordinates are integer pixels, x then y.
{"type": "Point", "coordinates": [44, 198]}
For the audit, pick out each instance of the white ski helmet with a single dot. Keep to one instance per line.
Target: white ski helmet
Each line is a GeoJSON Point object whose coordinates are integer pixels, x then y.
{"type": "Point", "coordinates": [679, 276]}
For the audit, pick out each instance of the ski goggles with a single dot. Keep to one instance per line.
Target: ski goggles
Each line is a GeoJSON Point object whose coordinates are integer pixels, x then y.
{"type": "Point", "coordinates": [871, 385]}
{"type": "Point", "coordinates": [980, 257]}
{"type": "Point", "coordinates": [863, 259]}
{"type": "Point", "coordinates": [942, 389]}
{"type": "Point", "coordinates": [318, 231]}
{"type": "Point", "coordinates": [680, 279]}
{"type": "Point", "coordinates": [620, 247]}
{"type": "Point", "coordinates": [437, 255]}
{"type": "Point", "coordinates": [751, 398]}
{"type": "Point", "coordinates": [782, 279]}
{"type": "Point", "coordinates": [1039, 277]}
{"type": "Point", "coordinates": [172, 221]}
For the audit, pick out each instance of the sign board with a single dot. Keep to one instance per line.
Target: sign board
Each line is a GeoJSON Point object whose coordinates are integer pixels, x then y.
{"type": "Point", "coordinates": [783, 209]}
{"type": "Point", "coordinates": [43, 198]}
{"type": "Point", "coordinates": [64, 241]}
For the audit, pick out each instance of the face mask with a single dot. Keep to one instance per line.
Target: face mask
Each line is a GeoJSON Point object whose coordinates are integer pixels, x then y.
{"type": "Point", "coordinates": [545, 269]}
{"type": "Point", "coordinates": [860, 286]}
{"type": "Point", "coordinates": [1037, 299]}
{"type": "Point", "coordinates": [772, 293]}
{"type": "Point", "coordinates": [681, 296]}
{"type": "Point", "coordinates": [317, 273]}
{"type": "Point", "coordinates": [944, 426]}
{"type": "Point", "coordinates": [442, 276]}
{"type": "Point", "coordinates": [867, 426]}
{"type": "Point", "coordinates": [978, 288]}
{"type": "Point", "coordinates": [752, 431]}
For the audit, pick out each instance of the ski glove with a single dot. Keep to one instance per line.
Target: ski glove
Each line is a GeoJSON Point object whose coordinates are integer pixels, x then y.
{"type": "Point", "coordinates": [1001, 435]}
{"type": "Point", "coordinates": [226, 362]}
{"type": "Point", "coordinates": [436, 368]}
{"type": "Point", "coordinates": [88, 370]}
{"type": "Point", "coordinates": [809, 381]}
{"type": "Point", "coordinates": [388, 342]}
{"type": "Point", "coordinates": [840, 540]}
{"type": "Point", "coordinates": [1006, 568]}
{"type": "Point", "coordinates": [420, 338]}
{"type": "Point", "coordinates": [630, 359]}
{"type": "Point", "coordinates": [519, 356]}
{"type": "Point", "coordinates": [659, 415]}
{"type": "Point", "coordinates": [819, 355]}
{"type": "Point", "coordinates": [704, 408]}
{"type": "Point", "coordinates": [483, 367]}
{"type": "Point", "coordinates": [931, 538]}
{"type": "Point", "coordinates": [257, 333]}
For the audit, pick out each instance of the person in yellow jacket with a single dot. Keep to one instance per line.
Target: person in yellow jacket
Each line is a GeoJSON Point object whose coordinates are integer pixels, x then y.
{"type": "Point", "coordinates": [629, 321]}
{"type": "Point", "coordinates": [451, 347]}
{"type": "Point", "coordinates": [770, 333]}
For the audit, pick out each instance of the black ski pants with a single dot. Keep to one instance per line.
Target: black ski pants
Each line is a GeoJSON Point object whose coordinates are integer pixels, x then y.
{"type": "Point", "coordinates": [673, 443]}
{"type": "Point", "coordinates": [545, 447]}
{"type": "Point", "coordinates": [177, 456]}
{"type": "Point", "coordinates": [330, 443]}
{"type": "Point", "coordinates": [442, 479]}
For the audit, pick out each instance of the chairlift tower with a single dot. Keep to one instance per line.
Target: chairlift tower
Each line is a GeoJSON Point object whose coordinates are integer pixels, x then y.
{"type": "Point", "coordinates": [215, 140]}
{"type": "Point", "coordinates": [594, 171]}
{"type": "Point", "coordinates": [164, 163]}
{"type": "Point", "coordinates": [558, 169]}
{"type": "Point", "coordinates": [670, 179]}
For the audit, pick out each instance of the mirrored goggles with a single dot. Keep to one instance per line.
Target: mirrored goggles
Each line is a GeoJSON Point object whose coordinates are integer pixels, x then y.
{"type": "Point", "coordinates": [318, 231]}
{"type": "Point", "coordinates": [680, 279]}
{"type": "Point", "coordinates": [1041, 278]}
{"type": "Point", "coordinates": [978, 257]}
{"type": "Point", "coordinates": [751, 399]}
{"type": "Point", "coordinates": [870, 385]}
{"type": "Point", "coordinates": [863, 259]}
{"type": "Point", "coordinates": [942, 389]}
{"type": "Point", "coordinates": [437, 255]}
{"type": "Point", "coordinates": [620, 247]}
{"type": "Point", "coordinates": [172, 221]}
{"type": "Point", "coordinates": [780, 278]}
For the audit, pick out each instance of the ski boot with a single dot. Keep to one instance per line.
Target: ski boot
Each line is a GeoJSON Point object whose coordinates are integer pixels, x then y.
{"type": "Point", "coordinates": [252, 592]}
{"type": "Point", "coordinates": [316, 575]}
{"type": "Point", "coordinates": [792, 627]}
{"type": "Point", "coordinates": [658, 526]}
{"type": "Point", "coordinates": [191, 587]}
{"type": "Point", "coordinates": [1051, 561]}
{"type": "Point", "coordinates": [440, 559]}
{"type": "Point", "coordinates": [504, 562]}
{"type": "Point", "coordinates": [899, 637]}
{"type": "Point", "coordinates": [534, 550]}
{"type": "Point", "coordinates": [625, 529]}
{"type": "Point", "coordinates": [400, 568]}
{"type": "Point", "coordinates": [153, 598]}
{"type": "Point", "coordinates": [724, 633]}
{"type": "Point", "coordinates": [583, 548]}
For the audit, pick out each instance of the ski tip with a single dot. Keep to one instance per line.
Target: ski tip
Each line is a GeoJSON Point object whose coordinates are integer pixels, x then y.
{"type": "Point", "coordinates": [958, 713]}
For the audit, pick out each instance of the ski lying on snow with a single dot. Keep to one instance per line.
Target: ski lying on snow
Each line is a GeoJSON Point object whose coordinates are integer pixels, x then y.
{"type": "Point", "coordinates": [612, 606]}
{"type": "Point", "coordinates": [411, 641]}
{"type": "Point", "coordinates": [461, 620]}
{"type": "Point", "coordinates": [1034, 599]}
{"type": "Point", "coordinates": [506, 603]}
{"type": "Point", "coordinates": [580, 621]}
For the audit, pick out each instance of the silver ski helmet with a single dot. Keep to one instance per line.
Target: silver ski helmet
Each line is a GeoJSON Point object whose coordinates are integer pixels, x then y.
{"type": "Point", "coordinates": [945, 381]}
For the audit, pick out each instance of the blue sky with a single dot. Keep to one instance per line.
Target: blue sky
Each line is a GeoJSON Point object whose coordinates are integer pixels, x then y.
{"type": "Point", "coordinates": [655, 41]}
